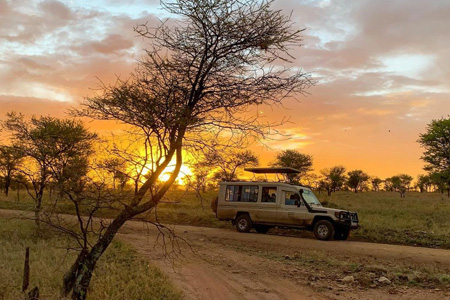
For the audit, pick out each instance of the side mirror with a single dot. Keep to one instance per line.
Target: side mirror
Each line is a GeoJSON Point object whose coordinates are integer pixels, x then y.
{"type": "Point", "coordinates": [298, 203]}
{"type": "Point", "coordinates": [301, 191]}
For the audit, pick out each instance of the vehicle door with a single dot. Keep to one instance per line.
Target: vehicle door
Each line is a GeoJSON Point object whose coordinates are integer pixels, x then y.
{"type": "Point", "coordinates": [268, 202]}
{"type": "Point", "coordinates": [290, 213]}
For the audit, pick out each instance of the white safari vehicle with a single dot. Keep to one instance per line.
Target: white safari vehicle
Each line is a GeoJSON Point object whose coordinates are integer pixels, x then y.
{"type": "Point", "coordinates": [262, 205]}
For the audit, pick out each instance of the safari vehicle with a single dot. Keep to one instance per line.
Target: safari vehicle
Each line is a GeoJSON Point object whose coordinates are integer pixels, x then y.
{"type": "Point", "coordinates": [263, 205]}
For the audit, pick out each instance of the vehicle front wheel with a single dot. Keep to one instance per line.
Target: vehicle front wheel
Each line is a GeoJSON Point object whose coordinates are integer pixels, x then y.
{"type": "Point", "coordinates": [324, 230]}
{"type": "Point", "coordinates": [261, 228]}
{"type": "Point", "coordinates": [243, 223]}
{"type": "Point", "coordinates": [341, 234]}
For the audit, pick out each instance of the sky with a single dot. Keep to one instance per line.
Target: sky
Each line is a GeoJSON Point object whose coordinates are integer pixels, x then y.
{"type": "Point", "coordinates": [381, 68]}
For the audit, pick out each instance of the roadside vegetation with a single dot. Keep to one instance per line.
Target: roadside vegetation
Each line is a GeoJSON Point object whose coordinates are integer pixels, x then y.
{"type": "Point", "coordinates": [421, 219]}
{"type": "Point", "coordinates": [120, 274]}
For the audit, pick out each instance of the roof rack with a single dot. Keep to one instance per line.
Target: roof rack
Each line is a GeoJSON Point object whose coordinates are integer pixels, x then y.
{"type": "Point", "coordinates": [275, 170]}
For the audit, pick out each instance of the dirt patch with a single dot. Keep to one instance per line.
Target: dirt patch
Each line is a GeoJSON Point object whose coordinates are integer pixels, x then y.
{"type": "Point", "coordinates": [223, 264]}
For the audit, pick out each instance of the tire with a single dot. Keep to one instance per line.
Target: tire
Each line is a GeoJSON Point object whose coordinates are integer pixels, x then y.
{"type": "Point", "coordinates": [341, 234]}
{"type": "Point", "coordinates": [243, 223]}
{"type": "Point", "coordinates": [324, 230]}
{"type": "Point", "coordinates": [261, 228]}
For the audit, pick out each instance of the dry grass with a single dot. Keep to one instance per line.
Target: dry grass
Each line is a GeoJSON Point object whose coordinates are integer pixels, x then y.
{"type": "Point", "coordinates": [120, 274]}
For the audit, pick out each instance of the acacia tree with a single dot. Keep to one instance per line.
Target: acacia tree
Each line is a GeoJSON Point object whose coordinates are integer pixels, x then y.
{"type": "Point", "coordinates": [334, 179]}
{"type": "Point", "coordinates": [230, 162]}
{"type": "Point", "coordinates": [440, 181]}
{"type": "Point", "coordinates": [10, 160]}
{"type": "Point", "coordinates": [424, 182]}
{"type": "Point", "coordinates": [376, 182]}
{"type": "Point", "coordinates": [294, 159]}
{"type": "Point", "coordinates": [356, 179]}
{"type": "Point", "coordinates": [197, 80]}
{"type": "Point", "coordinates": [53, 149]}
{"type": "Point", "coordinates": [401, 183]}
{"type": "Point", "coordinates": [436, 141]}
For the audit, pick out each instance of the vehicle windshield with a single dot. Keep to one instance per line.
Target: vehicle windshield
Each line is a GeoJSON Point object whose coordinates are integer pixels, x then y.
{"type": "Point", "coordinates": [310, 198]}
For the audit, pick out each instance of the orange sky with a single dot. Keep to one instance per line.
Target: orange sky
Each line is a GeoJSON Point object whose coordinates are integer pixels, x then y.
{"type": "Point", "coordinates": [382, 71]}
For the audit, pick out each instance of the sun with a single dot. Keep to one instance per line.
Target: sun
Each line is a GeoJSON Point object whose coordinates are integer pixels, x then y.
{"type": "Point", "coordinates": [185, 170]}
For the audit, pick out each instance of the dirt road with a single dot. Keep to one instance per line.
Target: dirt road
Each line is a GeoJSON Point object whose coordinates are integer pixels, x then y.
{"type": "Point", "coordinates": [224, 264]}
{"type": "Point", "coordinates": [221, 264]}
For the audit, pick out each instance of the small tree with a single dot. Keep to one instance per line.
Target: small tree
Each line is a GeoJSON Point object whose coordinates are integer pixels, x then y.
{"type": "Point", "coordinates": [312, 180]}
{"type": "Point", "coordinates": [401, 183]}
{"type": "Point", "coordinates": [53, 149]}
{"type": "Point", "coordinates": [294, 159]}
{"type": "Point", "coordinates": [423, 183]}
{"type": "Point", "coordinates": [376, 183]}
{"type": "Point", "coordinates": [436, 142]}
{"type": "Point", "coordinates": [118, 168]}
{"type": "Point", "coordinates": [230, 163]}
{"type": "Point", "coordinates": [356, 180]}
{"type": "Point", "coordinates": [388, 185]}
{"type": "Point", "coordinates": [334, 179]}
{"type": "Point", "coordinates": [10, 160]}
{"type": "Point", "coordinates": [440, 181]}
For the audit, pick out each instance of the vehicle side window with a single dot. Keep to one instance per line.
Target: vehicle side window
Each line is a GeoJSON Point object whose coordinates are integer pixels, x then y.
{"type": "Point", "coordinates": [239, 193]}
{"type": "Point", "coordinates": [249, 193]}
{"type": "Point", "coordinates": [269, 194]}
{"type": "Point", "coordinates": [232, 193]}
{"type": "Point", "coordinates": [290, 198]}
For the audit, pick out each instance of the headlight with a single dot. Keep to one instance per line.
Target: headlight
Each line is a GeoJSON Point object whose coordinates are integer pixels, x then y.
{"type": "Point", "coordinates": [337, 214]}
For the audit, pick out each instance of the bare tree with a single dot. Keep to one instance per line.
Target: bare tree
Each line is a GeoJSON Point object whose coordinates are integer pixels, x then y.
{"type": "Point", "coordinates": [198, 79]}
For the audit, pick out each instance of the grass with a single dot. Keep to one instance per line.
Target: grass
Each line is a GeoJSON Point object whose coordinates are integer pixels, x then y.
{"type": "Point", "coordinates": [419, 219]}
{"type": "Point", "coordinates": [120, 274]}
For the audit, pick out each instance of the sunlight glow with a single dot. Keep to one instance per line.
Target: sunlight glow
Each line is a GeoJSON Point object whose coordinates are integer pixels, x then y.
{"type": "Point", "coordinates": [181, 179]}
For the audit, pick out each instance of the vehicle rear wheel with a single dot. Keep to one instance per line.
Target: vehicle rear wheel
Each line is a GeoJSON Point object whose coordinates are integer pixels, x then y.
{"type": "Point", "coordinates": [243, 223]}
{"type": "Point", "coordinates": [261, 228]}
{"type": "Point", "coordinates": [324, 230]}
{"type": "Point", "coordinates": [341, 234]}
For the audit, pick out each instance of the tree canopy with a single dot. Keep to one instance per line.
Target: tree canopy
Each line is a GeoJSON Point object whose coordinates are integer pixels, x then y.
{"type": "Point", "coordinates": [294, 159]}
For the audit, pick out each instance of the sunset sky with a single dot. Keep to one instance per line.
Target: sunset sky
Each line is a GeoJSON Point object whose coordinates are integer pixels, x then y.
{"type": "Point", "coordinates": [382, 71]}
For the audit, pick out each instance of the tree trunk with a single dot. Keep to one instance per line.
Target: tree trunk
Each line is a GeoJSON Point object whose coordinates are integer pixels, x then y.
{"type": "Point", "coordinates": [79, 276]}
{"type": "Point", "coordinates": [37, 211]}
{"type": "Point", "coordinates": [329, 192]}
{"type": "Point", "coordinates": [7, 184]}
{"type": "Point", "coordinates": [38, 205]}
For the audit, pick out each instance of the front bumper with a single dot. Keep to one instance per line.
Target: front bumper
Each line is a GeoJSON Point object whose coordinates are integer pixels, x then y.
{"type": "Point", "coordinates": [349, 220]}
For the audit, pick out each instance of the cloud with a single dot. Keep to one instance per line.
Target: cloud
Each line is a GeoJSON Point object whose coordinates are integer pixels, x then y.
{"type": "Point", "coordinates": [381, 66]}
{"type": "Point", "coordinates": [111, 44]}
